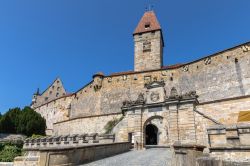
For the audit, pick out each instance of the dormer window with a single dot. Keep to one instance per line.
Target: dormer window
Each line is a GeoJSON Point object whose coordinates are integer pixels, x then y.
{"type": "Point", "coordinates": [147, 25]}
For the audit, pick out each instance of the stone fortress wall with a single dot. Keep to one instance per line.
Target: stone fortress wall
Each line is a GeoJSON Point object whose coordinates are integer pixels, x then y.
{"type": "Point", "coordinates": [55, 111]}
{"type": "Point", "coordinates": [91, 124]}
{"type": "Point", "coordinates": [213, 78]}
{"type": "Point", "coordinates": [221, 76]}
{"type": "Point", "coordinates": [221, 82]}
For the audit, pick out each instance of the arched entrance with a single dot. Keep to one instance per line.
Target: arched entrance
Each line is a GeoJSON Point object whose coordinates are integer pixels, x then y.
{"type": "Point", "coordinates": [151, 134]}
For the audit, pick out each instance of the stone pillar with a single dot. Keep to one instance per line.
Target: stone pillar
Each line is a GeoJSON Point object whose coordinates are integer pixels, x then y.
{"type": "Point", "coordinates": [173, 122]}
{"type": "Point", "coordinates": [138, 129]}
{"type": "Point", "coordinates": [186, 123]}
{"type": "Point", "coordinates": [186, 154]}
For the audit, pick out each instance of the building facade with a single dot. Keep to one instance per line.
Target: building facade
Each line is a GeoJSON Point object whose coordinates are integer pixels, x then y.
{"type": "Point", "coordinates": [154, 104]}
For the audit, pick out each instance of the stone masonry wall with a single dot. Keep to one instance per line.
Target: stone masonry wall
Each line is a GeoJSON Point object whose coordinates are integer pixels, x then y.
{"type": "Point", "coordinates": [84, 125]}
{"type": "Point", "coordinates": [151, 58]}
{"type": "Point", "coordinates": [225, 112]}
{"type": "Point", "coordinates": [224, 75]}
{"type": "Point", "coordinates": [55, 111]}
{"type": "Point", "coordinates": [218, 77]}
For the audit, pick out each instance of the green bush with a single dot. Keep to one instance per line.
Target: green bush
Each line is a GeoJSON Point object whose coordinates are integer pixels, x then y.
{"type": "Point", "coordinates": [35, 136]}
{"type": "Point", "coordinates": [111, 124]}
{"type": "Point", "coordinates": [9, 152]}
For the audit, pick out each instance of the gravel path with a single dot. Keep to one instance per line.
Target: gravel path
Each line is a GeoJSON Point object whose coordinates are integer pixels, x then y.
{"type": "Point", "coordinates": [149, 157]}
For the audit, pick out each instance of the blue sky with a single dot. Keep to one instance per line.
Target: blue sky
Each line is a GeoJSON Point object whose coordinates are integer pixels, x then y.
{"type": "Point", "coordinates": [72, 39]}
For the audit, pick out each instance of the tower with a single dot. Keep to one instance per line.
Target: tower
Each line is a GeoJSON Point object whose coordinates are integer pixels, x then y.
{"type": "Point", "coordinates": [148, 43]}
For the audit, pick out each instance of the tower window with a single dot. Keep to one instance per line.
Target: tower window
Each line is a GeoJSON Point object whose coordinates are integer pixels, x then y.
{"type": "Point", "coordinates": [147, 25]}
{"type": "Point", "coordinates": [146, 46]}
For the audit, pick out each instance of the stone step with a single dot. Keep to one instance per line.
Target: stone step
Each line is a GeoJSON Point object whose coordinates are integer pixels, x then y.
{"type": "Point", "coordinates": [156, 146]}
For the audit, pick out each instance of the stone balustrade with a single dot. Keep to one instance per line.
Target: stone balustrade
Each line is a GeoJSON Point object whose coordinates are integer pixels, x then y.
{"type": "Point", "coordinates": [68, 140]}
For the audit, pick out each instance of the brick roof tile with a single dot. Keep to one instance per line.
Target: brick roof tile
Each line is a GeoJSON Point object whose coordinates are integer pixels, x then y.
{"type": "Point", "coordinates": [149, 18]}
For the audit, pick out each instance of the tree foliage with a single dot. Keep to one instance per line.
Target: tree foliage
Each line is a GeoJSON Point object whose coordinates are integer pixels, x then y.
{"type": "Point", "coordinates": [9, 151]}
{"type": "Point", "coordinates": [25, 121]}
{"type": "Point", "coordinates": [10, 121]}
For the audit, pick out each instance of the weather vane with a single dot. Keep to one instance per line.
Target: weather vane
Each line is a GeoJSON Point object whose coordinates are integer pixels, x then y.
{"type": "Point", "coordinates": [149, 7]}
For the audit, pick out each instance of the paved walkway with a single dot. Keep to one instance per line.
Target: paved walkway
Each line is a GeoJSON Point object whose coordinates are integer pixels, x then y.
{"type": "Point", "coordinates": [149, 157]}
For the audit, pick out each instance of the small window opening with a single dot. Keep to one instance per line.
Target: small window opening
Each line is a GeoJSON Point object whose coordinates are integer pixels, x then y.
{"type": "Point", "coordinates": [236, 60]}
{"type": "Point", "coordinates": [147, 25]}
{"type": "Point", "coordinates": [146, 46]}
{"type": "Point", "coordinates": [171, 79]}
{"type": "Point", "coordinates": [57, 94]}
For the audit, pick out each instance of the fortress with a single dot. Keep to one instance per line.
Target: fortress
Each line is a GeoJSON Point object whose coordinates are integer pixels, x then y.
{"type": "Point", "coordinates": [155, 104]}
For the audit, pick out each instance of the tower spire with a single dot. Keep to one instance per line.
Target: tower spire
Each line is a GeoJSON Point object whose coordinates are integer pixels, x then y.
{"type": "Point", "coordinates": [148, 43]}
{"type": "Point", "coordinates": [147, 23]}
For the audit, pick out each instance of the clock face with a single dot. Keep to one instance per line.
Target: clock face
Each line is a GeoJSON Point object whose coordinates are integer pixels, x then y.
{"type": "Point", "coordinates": [154, 96]}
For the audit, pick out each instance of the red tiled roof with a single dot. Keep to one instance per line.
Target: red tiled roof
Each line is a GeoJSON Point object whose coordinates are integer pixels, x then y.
{"type": "Point", "coordinates": [122, 73]}
{"type": "Point", "coordinates": [172, 66]}
{"type": "Point", "coordinates": [135, 72]}
{"type": "Point", "coordinates": [149, 18]}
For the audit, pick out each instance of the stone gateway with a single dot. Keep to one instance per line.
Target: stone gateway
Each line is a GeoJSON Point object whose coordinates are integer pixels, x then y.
{"type": "Point", "coordinates": [156, 104]}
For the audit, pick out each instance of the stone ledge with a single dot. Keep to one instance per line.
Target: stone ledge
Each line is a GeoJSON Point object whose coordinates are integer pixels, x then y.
{"type": "Point", "coordinates": [229, 127]}
{"type": "Point", "coordinates": [6, 163]}
{"type": "Point", "coordinates": [30, 158]}
{"type": "Point", "coordinates": [59, 148]}
{"type": "Point", "coordinates": [189, 146]}
{"type": "Point", "coordinates": [236, 148]}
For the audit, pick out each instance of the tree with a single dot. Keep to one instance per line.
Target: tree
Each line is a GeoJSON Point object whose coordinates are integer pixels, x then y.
{"type": "Point", "coordinates": [25, 121]}
{"type": "Point", "coordinates": [31, 122]}
{"type": "Point", "coordinates": [10, 120]}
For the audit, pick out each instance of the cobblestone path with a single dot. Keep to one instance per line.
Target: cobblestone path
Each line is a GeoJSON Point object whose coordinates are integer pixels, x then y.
{"type": "Point", "coordinates": [149, 157]}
